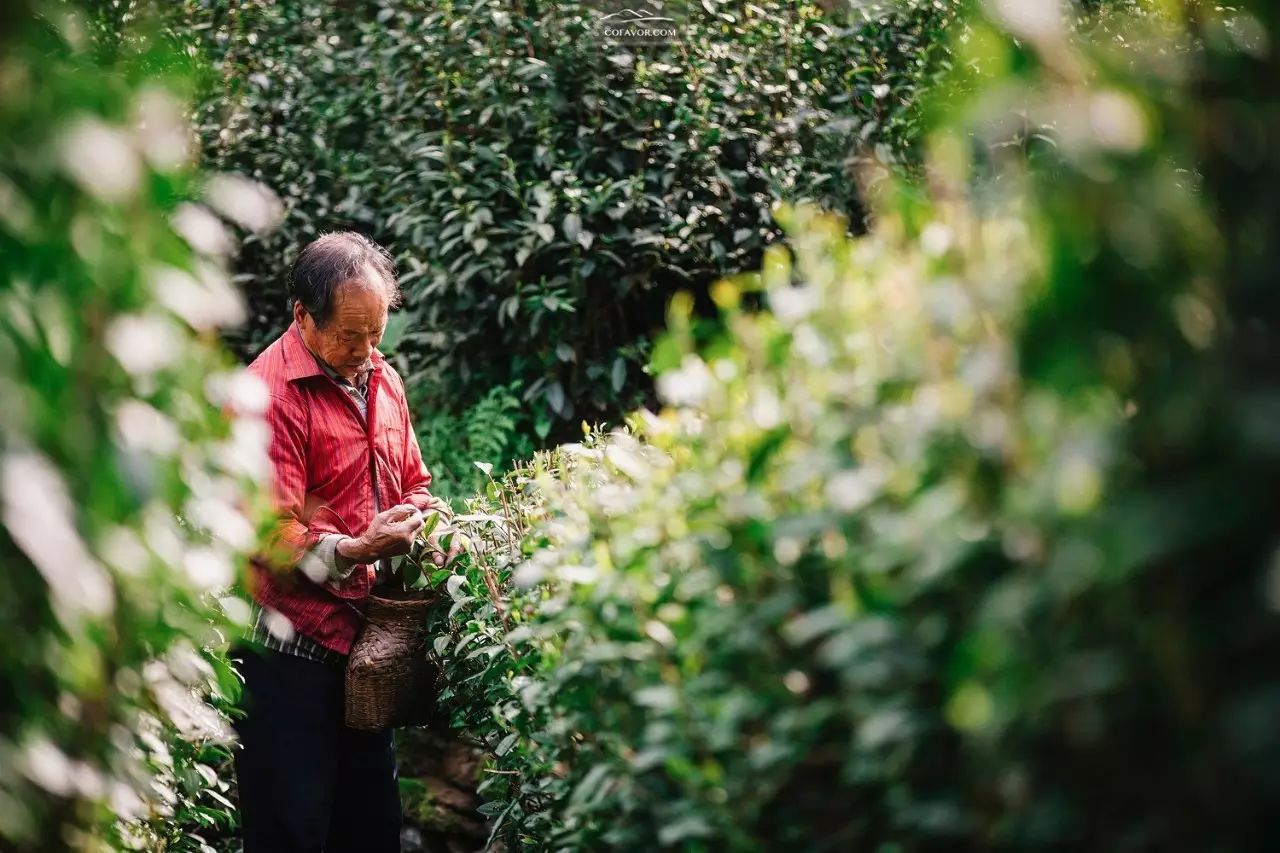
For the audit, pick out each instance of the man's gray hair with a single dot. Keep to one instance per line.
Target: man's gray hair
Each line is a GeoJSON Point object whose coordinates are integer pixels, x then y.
{"type": "Point", "coordinates": [334, 258]}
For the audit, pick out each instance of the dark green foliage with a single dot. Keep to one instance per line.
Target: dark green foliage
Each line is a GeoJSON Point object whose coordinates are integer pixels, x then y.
{"type": "Point", "coordinates": [545, 193]}
{"type": "Point", "coordinates": [486, 430]}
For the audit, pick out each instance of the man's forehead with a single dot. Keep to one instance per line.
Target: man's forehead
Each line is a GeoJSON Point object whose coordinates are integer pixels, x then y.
{"type": "Point", "coordinates": [358, 306]}
{"type": "Point", "coordinates": [363, 322]}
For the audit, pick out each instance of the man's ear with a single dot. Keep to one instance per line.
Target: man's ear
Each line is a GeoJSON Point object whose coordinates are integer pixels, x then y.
{"type": "Point", "coordinates": [300, 314]}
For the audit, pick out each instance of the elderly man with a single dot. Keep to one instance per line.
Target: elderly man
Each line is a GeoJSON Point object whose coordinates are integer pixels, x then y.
{"type": "Point", "coordinates": [351, 489]}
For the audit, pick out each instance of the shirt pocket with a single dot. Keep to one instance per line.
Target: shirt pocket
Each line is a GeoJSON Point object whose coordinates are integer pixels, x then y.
{"type": "Point", "coordinates": [390, 444]}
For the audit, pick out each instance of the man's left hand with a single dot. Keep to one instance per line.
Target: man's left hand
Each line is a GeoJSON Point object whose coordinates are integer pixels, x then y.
{"type": "Point", "coordinates": [457, 545]}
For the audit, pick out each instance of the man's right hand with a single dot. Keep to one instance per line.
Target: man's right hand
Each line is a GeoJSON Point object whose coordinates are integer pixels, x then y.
{"type": "Point", "coordinates": [390, 534]}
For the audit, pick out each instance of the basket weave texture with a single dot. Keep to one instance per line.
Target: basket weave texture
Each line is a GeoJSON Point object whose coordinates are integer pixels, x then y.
{"type": "Point", "coordinates": [390, 679]}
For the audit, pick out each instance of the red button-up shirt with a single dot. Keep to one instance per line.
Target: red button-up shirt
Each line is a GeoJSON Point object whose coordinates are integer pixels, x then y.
{"type": "Point", "coordinates": [325, 458]}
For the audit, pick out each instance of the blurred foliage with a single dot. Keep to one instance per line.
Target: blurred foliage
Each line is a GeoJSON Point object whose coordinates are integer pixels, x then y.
{"type": "Point", "coordinates": [130, 448]}
{"type": "Point", "coordinates": [967, 541]}
{"type": "Point", "coordinates": [545, 191]}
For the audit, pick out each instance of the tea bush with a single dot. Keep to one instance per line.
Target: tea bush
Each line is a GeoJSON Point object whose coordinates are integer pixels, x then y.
{"type": "Point", "coordinates": [967, 540]}
{"type": "Point", "coordinates": [126, 494]}
{"type": "Point", "coordinates": [545, 191]}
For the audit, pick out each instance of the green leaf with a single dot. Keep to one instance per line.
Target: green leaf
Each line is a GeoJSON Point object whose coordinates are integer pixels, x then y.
{"type": "Point", "coordinates": [572, 226]}
{"type": "Point", "coordinates": [459, 604]}
{"type": "Point", "coordinates": [555, 397]}
{"type": "Point", "coordinates": [433, 520]}
{"type": "Point", "coordinates": [619, 374]}
{"type": "Point", "coordinates": [504, 745]}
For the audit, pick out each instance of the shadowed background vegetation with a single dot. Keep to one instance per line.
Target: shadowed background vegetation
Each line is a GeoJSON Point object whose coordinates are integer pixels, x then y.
{"type": "Point", "coordinates": [545, 192]}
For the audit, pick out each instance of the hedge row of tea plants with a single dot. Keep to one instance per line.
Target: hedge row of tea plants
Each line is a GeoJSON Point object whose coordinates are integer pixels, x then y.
{"type": "Point", "coordinates": [968, 540]}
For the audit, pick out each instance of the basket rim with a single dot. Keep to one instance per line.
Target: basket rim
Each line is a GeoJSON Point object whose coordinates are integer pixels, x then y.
{"type": "Point", "coordinates": [426, 596]}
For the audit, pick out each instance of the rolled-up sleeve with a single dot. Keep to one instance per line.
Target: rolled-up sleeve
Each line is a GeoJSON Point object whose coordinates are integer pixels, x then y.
{"type": "Point", "coordinates": [337, 567]}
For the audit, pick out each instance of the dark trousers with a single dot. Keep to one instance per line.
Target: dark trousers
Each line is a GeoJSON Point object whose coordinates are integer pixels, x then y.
{"type": "Point", "coordinates": [307, 782]}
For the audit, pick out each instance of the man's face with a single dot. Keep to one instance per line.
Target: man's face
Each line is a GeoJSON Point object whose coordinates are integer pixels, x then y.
{"type": "Point", "coordinates": [347, 341]}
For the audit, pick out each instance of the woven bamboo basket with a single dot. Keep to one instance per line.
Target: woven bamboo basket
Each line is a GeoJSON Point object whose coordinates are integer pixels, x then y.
{"type": "Point", "coordinates": [391, 681]}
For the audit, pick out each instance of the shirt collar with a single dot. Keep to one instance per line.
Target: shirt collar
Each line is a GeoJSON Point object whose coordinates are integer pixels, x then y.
{"type": "Point", "coordinates": [300, 363]}
{"type": "Point", "coordinates": [360, 380]}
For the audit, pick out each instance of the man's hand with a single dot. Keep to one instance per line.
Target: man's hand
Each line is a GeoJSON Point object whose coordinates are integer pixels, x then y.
{"type": "Point", "coordinates": [457, 545]}
{"type": "Point", "coordinates": [390, 534]}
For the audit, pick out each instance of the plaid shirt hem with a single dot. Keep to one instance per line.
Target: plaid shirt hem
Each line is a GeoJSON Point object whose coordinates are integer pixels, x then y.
{"type": "Point", "coordinates": [299, 645]}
